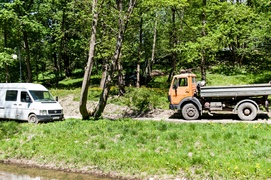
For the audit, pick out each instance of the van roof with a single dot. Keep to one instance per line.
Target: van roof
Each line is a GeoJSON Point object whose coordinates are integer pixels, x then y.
{"type": "Point", "coordinates": [27, 86]}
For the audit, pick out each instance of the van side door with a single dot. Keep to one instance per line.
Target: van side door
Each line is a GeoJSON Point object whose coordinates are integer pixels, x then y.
{"type": "Point", "coordinates": [11, 104]}
{"type": "Point", "coordinates": [23, 106]}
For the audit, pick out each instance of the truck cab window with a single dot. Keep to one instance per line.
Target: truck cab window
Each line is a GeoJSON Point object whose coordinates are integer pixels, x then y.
{"type": "Point", "coordinates": [182, 82]}
{"type": "Point", "coordinates": [11, 95]}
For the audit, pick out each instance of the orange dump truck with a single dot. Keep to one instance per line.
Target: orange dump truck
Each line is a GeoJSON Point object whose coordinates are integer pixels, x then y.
{"type": "Point", "coordinates": [192, 98]}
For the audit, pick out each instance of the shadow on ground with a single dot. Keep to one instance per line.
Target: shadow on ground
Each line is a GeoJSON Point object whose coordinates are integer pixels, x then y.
{"type": "Point", "coordinates": [217, 116]}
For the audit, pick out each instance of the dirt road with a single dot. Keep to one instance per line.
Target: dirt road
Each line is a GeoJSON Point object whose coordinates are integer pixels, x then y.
{"type": "Point", "coordinates": [71, 110]}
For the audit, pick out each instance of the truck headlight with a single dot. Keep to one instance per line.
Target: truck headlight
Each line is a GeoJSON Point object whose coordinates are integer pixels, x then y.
{"type": "Point", "coordinates": [43, 112]}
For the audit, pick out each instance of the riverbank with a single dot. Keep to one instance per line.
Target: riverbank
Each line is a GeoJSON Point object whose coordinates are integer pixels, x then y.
{"type": "Point", "coordinates": [22, 172]}
{"type": "Point", "coordinates": [129, 149]}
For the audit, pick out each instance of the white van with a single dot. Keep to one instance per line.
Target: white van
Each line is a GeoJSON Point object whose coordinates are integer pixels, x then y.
{"type": "Point", "coordinates": [28, 102]}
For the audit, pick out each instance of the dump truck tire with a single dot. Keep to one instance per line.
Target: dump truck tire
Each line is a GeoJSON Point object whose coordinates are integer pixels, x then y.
{"type": "Point", "coordinates": [247, 111]}
{"type": "Point", "coordinates": [190, 112]}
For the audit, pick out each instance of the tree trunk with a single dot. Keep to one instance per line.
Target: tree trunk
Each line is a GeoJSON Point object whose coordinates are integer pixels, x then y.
{"type": "Point", "coordinates": [28, 64]}
{"type": "Point", "coordinates": [139, 53]}
{"type": "Point", "coordinates": [153, 43]}
{"type": "Point", "coordinates": [104, 72]}
{"type": "Point", "coordinates": [203, 52]}
{"type": "Point", "coordinates": [88, 69]}
{"type": "Point", "coordinates": [122, 23]}
{"type": "Point", "coordinates": [121, 84]}
{"type": "Point", "coordinates": [56, 68]}
{"type": "Point", "coordinates": [5, 45]}
{"type": "Point", "coordinates": [173, 45]}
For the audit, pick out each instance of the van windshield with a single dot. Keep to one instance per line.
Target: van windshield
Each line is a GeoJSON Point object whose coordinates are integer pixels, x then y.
{"type": "Point", "coordinates": [42, 96]}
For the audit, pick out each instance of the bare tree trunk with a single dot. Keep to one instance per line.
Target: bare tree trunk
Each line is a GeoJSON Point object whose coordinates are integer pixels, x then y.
{"type": "Point", "coordinates": [56, 67]}
{"type": "Point", "coordinates": [122, 23]}
{"type": "Point", "coordinates": [104, 72]}
{"type": "Point", "coordinates": [139, 53]}
{"type": "Point", "coordinates": [120, 80]}
{"type": "Point", "coordinates": [138, 75]}
{"type": "Point", "coordinates": [28, 64]}
{"type": "Point", "coordinates": [203, 52]}
{"type": "Point", "coordinates": [5, 45]}
{"type": "Point", "coordinates": [154, 43]}
{"type": "Point", "coordinates": [173, 44]}
{"type": "Point", "coordinates": [88, 69]}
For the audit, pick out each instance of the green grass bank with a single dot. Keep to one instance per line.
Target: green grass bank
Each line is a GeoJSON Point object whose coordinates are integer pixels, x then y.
{"type": "Point", "coordinates": [143, 149]}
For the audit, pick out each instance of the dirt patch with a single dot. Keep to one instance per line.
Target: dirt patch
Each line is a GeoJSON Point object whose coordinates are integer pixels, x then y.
{"type": "Point", "coordinates": [112, 111]}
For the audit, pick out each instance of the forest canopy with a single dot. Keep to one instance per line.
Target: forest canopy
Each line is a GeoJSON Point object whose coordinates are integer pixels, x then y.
{"type": "Point", "coordinates": [51, 38]}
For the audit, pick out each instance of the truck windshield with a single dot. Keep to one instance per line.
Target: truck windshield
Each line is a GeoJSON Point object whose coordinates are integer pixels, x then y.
{"type": "Point", "coordinates": [41, 96]}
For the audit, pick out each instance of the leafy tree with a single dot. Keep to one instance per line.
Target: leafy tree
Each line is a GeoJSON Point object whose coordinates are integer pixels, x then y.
{"type": "Point", "coordinates": [88, 69]}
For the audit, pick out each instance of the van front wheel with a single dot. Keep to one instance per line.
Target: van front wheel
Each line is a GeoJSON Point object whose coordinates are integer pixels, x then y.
{"type": "Point", "coordinates": [33, 118]}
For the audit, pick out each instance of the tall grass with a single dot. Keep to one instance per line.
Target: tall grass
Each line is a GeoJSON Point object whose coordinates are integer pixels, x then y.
{"type": "Point", "coordinates": [144, 148]}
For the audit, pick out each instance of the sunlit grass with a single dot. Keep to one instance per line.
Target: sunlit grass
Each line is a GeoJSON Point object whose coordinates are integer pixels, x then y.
{"type": "Point", "coordinates": [145, 148]}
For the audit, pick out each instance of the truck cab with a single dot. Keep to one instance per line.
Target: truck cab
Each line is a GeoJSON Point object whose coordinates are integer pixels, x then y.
{"type": "Point", "coordinates": [183, 86]}
{"type": "Point", "coordinates": [182, 95]}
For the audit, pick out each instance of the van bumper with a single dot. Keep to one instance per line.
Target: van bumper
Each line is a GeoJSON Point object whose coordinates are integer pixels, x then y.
{"type": "Point", "coordinates": [50, 117]}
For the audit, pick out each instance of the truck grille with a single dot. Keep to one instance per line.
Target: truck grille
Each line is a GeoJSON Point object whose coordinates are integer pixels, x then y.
{"type": "Point", "coordinates": [55, 111]}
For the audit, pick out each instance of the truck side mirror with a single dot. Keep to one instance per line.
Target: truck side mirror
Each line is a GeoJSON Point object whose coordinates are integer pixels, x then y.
{"type": "Point", "coordinates": [57, 98]}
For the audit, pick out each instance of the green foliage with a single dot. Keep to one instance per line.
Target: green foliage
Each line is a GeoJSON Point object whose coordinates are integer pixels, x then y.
{"type": "Point", "coordinates": [145, 148]}
{"type": "Point", "coordinates": [6, 59]}
{"type": "Point", "coordinates": [8, 129]}
{"type": "Point", "coordinates": [143, 99]}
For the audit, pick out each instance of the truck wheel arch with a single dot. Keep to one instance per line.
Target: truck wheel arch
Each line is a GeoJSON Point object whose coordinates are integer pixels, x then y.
{"type": "Point", "coordinates": [193, 100]}
{"type": "Point", "coordinates": [235, 110]}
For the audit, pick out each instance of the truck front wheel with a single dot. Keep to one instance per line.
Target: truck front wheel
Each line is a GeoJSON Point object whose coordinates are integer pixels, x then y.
{"type": "Point", "coordinates": [190, 112]}
{"type": "Point", "coordinates": [247, 111]}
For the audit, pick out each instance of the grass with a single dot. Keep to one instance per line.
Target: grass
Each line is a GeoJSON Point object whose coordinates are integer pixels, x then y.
{"type": "Point", "coordinates": [144, 148]}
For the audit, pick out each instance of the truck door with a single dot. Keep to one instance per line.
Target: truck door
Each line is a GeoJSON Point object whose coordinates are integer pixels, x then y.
{"type": "Point", "coordinates": [23, 106]}
{"type": "Point", "coordinates": [180, 90]}
{"type": "Point", "coordinates": [11, 104]}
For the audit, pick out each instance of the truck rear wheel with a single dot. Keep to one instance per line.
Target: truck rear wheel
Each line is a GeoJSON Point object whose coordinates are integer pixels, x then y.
{"type": "Point", "coordinates": [190, 112]}
{"type": "Point", "coordinates": [247, 111]}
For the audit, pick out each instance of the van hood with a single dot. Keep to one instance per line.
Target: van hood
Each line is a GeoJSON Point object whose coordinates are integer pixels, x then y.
{"type": "Point", "coordinates": [46, 105]}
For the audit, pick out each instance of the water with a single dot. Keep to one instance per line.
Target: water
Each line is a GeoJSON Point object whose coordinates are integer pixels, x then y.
{"type": "Point", "coordinates": [13, 172]}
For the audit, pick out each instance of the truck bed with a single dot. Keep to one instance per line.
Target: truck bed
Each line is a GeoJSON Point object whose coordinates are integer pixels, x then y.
{"type": "Point", "coordinates": [236, 90]}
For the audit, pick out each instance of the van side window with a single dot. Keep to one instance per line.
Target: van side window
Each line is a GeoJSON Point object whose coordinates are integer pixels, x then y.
{"type": "Point", "coordinates": [25, 97]}
{"type": "Point", "coordinates": [11, 95]}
